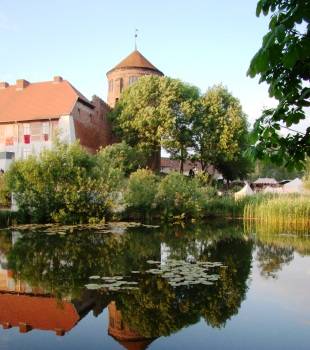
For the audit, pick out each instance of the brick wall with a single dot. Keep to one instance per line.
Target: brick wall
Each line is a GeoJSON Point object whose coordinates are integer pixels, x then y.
{"type": "Point", "coordinates": [91, 126]}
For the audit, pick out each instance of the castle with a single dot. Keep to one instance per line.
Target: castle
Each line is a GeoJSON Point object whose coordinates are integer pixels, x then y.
{"type": "Point", "coordinates": [31, 114]}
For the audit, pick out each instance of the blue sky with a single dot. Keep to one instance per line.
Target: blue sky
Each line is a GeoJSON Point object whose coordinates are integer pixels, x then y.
{"type": "Point", "coordinates": [202, 42]}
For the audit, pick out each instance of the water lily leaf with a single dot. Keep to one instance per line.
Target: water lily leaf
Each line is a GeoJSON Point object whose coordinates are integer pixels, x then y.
{"type": "Point", "coordinates": [93, 286]}
{"type": "Point", "coordinates": [153, 262]}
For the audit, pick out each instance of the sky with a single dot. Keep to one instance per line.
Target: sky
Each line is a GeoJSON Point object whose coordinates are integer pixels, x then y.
{"type": "Point", "coordinates": [202, 42]}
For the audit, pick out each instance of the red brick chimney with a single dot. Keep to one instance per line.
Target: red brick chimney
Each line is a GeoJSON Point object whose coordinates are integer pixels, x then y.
{"type": "Point", "coordinates": [58, 79]}
{"type": "Point", "coordinates": [4, 85]}
{"type": "Point", "coordinates": [24, 327]}
{"type": "Point", "coordinates": [21, 84]}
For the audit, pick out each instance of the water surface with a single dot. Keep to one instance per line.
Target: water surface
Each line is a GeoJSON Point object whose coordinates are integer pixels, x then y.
{"type": "Point", "coordinates": [258, 298]}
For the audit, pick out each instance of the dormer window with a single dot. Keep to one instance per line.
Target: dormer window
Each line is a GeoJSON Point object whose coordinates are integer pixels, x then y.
{"type": "Point", "coordinates": [26, 128]}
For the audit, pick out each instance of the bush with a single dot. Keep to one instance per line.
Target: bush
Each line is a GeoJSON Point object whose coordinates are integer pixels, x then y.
{"type": "Point", "coordinates": [141, 191]}
{"type": "Point", "coordinates": [180, 197]}
{"type": "Point", "coordinates": [62, 185]}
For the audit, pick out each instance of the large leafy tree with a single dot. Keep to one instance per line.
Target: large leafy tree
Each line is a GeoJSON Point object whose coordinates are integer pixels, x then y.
{"type": "Point", "coordinates": [283, 62]}
{"type": "Point", "coordinates": [219, 128]}
{"type": "Point", "coordinates": [155, 112]}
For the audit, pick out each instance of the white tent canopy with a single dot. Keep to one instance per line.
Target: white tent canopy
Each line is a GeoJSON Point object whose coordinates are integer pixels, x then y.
{"type": "Point", "coordinates": [245, 191]}
{"type": "Point", "coordinates": [294, 186]}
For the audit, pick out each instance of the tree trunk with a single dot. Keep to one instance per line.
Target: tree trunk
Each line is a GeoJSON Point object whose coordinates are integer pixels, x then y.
{"type": "Point", "coordinates": [182, 162]}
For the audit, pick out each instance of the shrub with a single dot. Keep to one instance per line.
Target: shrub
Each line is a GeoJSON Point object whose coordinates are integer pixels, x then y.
{"type": "Point", "coordinates": [141, 191]}
{"type": "Point", "coordinates": [61, 185]}
{"type": "Point", "coordinates": [179, 196]}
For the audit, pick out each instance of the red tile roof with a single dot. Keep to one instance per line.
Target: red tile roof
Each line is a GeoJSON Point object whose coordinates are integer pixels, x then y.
{"type": "Point", "coordinates": [135, 60]}
{"type": "Point", "coordinates": [37, 101]}
{"type": "Point", "coordinates": [38, 312]}
{"type": "Point", "coordinates": [173, 164]}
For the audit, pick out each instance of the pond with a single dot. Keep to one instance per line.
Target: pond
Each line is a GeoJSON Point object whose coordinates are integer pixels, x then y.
{"type": "Point", "coordinates": [219, 286]}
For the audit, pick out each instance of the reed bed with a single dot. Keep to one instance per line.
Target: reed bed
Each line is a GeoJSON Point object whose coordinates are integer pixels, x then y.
{"type": "Point", "coordinates": [284, 212]}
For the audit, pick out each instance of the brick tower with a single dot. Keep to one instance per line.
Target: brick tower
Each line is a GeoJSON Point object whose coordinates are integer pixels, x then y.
{"type": "Point", "coordinates": [127, 72]}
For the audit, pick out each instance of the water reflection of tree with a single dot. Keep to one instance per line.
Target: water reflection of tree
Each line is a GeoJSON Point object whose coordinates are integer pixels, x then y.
{"type": "Point", "coordinates": [62, 264]}
{"type": "Point", "coordinates": [157, 309]}
{"type": "Point", "coordinates": [271, 258]}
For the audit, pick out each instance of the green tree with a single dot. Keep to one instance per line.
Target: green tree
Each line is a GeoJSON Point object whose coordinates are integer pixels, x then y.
{"type": "Point", "coordinates": [219, 128]}
{"type": "Point", "coordinates": [242, 163]}
{"type": "Point", "coordinates": [283, 62]}
{"type": "Point", "coordinates": [265, 168]}
{"type": "Point", "coordinates": [155, 112]}
{"type": "Point", "coordinates": [121, 156]}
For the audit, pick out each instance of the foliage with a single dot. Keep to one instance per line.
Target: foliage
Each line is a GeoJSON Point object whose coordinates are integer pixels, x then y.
{"type": "Point", "coordinates": [121, 156]}
{"type": "Point", "coordinates": [307, 175]}
{"type": "Point", "coordinates": [283, 62]}
{"type": "Point", "coordinates": [62, 184]}
{"type": "Point", "coordinates": [266, 168]}
{"type": "Point", "coordinates": [4, 192]}
{"type": "Point", "coordinates": [240, 165]}
{"type": "Point", "coordinates": [179, 196]}
{"type": "Point", "coordinates": [141, 191]}
{"type": "Point", "coordinates": [156, 111]}
{"type": "Point", "coordinates": [226, 206]}
{"type": "Point", "coordinates": [8, 218]}
{"type": "Point", "coordinates": [219, 128]}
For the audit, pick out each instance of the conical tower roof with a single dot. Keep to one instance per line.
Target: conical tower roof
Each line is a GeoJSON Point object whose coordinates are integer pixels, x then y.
{"type": "Point", "coordinates": [135, 60]}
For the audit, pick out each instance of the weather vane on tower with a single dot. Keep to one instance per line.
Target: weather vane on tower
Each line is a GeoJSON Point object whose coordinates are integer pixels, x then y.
{"type": "Point", "coordinates": [136, 35]}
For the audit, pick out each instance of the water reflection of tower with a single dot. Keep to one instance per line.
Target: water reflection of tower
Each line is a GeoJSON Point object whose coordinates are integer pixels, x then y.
{"type": "Point", "coordinates": [121, 332]}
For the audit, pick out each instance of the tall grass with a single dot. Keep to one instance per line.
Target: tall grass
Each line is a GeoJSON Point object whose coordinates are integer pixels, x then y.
{"type": "Point", "coordinates": [285, 212]}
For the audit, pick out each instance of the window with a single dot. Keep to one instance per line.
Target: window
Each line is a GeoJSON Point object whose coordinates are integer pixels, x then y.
{"type": "Point", "coordinates": [26, 133]}
{"type": "Point", "coordinates": [45, 130]}
{"type": "Point", "coordinates": [119, 85]}
{"type": "Point", "coordinates": [26, 153]}
{"type": "Point", "coordinates": [111, 85]}
{"type": "Point", "coordinates": [132, 80]}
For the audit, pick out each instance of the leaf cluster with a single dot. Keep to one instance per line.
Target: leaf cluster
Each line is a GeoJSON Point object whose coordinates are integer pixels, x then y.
{"type": "Point", "coordinates": [283, 62]}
